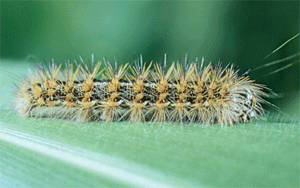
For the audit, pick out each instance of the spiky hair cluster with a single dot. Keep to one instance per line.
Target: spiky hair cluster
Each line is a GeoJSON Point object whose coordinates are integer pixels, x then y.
{"type": "Point", "coordinates": [180, 93]}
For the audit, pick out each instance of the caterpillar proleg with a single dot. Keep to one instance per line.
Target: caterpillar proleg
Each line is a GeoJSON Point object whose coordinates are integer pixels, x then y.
{"type": "Point", "coordinates": [185, 93]}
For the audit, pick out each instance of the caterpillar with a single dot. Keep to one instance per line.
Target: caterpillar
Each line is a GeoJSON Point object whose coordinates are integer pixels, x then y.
{"type": "Point", "coordinates": [183, 93]}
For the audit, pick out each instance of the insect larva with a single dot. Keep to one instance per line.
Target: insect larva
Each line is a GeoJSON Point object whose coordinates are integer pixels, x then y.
{"type": "Point", "coordinates": [181, 93]}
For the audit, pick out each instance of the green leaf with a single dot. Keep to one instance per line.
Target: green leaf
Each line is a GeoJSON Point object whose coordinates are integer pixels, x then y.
{"type": "Point", "coordinates": [58, 153]}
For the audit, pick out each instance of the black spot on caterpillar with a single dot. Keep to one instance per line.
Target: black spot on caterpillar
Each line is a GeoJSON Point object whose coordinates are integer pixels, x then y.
{"type": "Point", "coordinates": [184, 93]}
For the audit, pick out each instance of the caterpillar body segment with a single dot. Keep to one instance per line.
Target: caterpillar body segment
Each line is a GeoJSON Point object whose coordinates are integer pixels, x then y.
{"type": "Point", "coordinates": [138, 78]}
{"type": "Point", "coordinates": [142, 92]}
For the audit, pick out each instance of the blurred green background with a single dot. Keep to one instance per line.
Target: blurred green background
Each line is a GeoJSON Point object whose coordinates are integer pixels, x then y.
{"type": "Point", "coordinates": [242, 33]}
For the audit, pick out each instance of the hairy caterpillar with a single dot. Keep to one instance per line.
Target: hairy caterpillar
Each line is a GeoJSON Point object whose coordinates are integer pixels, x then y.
{"type": "Point", "coordinates": [181, 93]}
